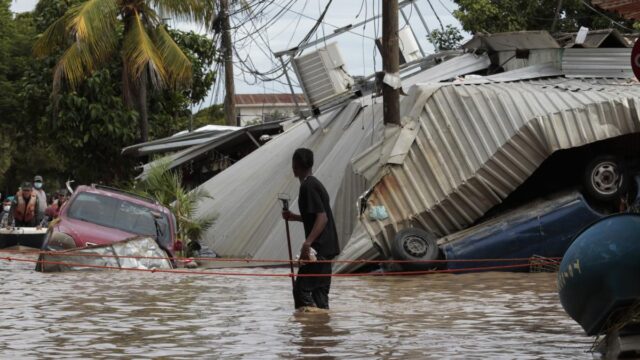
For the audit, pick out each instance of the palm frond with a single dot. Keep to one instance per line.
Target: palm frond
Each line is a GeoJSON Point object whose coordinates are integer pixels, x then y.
{"type": "Point", "coordinates": [51, 39]}
{"type": "Point", "coordinates": [176, 63]}
{"type": "Point", "coordinates": [73, 65]}
{"type": "Point", "coordinates": [198, 11]}
{"type": "Point", "coordinates": [94, 22]}
{"type": "Point", "coordinates": [141, 53]}
{"type": "Point", "coordinates": [89, 27]}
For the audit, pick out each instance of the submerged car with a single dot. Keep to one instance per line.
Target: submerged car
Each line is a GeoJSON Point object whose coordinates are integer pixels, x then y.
{"type": "Point", "coordinates": [98, 215]}
{"type": "Point", "coordinates": [544, 228]}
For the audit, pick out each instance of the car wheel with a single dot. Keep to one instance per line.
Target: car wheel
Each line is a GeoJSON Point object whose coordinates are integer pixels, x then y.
{"type": "Point", "coordinates": [415, 244]}
{"type": "Point", "coordinates": [604, 179]}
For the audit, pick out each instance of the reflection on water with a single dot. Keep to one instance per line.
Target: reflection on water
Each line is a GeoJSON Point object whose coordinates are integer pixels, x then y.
{"type": "Point", "coordinates": [123, 314]}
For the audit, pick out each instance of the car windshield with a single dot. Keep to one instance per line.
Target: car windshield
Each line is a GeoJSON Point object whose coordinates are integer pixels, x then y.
{"type": "Point", "coordinates": [118, 214]}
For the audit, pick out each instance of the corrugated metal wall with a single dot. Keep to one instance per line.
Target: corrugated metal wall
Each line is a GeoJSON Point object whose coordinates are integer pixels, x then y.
{"type": "Point", "coordinates": [601, 62]}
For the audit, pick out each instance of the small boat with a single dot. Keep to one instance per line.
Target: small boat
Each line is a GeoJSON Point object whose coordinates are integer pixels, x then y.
{"type": "Point", "coordinates": [32, 237]}
{"type": "Point", "coordinates": [142, 252]}
{"type": "Point", "coordinates": [599, 282]}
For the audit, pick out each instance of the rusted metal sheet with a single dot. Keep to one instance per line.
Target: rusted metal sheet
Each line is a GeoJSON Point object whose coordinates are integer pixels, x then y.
{"type": "Point", "coordinates": [477, 142]}
{"type": "Point", "coordinates": [629, 9]}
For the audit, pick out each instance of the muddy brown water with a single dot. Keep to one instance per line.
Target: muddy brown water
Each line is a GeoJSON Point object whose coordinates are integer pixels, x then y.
{"type": "Point", "coordinates": [109, 314]}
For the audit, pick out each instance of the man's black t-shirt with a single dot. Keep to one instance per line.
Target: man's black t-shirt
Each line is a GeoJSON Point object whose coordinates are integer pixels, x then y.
{"type": "Point", "coordinates": [313, 200]}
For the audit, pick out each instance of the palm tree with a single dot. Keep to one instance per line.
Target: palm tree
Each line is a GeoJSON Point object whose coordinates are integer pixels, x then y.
{"type": "Point", "coordinates": [166, 187]}
{"type": "Point", "coordinates": [95, 31]}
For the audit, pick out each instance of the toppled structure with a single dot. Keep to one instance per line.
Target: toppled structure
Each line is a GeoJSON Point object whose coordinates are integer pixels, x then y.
{"type": "Point", "coordinates": [464, 148]}
{"type": "Point", "coordinates": [465, 144]}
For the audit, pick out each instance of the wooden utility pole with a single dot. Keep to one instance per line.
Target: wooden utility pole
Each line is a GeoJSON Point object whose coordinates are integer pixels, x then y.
{"type": "Point", "coordinates": [390, 61]}
{"type": "Point", "coordinates": [229, 99]}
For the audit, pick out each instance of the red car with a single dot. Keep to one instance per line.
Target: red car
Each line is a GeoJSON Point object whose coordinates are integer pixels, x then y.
{"type": "Point", "coordinates": [99, 215]}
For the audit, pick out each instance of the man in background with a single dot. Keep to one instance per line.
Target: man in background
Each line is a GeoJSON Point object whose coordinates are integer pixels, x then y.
{"type": "Point", "coordinates": [38, 185]}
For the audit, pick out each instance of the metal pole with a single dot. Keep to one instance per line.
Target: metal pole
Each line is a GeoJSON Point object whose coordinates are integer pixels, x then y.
{"type": "Point", "coordinates": [230, 99]}
{"type": "Point", "coordinates": [390, 61]}
{"type": "Point", "coordinates": [286, 75]}
{"type": "Point", "coordinates": [424, 23]}
{"type": "Point", "coordinates": [293, 280]}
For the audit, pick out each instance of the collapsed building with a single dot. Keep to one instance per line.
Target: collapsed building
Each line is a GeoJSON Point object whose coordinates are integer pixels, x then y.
{"type": "Point", "coordinates": [476, 124]}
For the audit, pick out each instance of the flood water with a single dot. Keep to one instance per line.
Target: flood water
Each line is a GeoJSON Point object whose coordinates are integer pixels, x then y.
{"type": "Point", "coordinates": [143, 315]}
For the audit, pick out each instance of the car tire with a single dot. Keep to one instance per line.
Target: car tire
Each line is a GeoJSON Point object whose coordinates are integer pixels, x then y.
{"type": "Point", "coordinates": [604, 179]}
{"type": "Point", "coordinates": [415, 244]}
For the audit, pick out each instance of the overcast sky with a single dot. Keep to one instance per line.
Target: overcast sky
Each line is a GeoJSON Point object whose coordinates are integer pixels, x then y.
{"type": "Point", "coordinates": [357, 47]}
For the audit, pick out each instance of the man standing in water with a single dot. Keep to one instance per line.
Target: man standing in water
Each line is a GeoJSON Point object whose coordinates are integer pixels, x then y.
{"type": "Point", "coordinates": [320, 232]}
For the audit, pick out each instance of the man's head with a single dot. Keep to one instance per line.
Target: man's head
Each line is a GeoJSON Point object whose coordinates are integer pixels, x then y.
{"type": "Point", "coordinates": [26, 189]}
{"type": "Point", "coordinates": [37, 182]}
{"type": "Point", "coordinates": [302, 162]}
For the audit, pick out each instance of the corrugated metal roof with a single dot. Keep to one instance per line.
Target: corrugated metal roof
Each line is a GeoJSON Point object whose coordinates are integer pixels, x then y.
{"type": "Point", "coordinates": [473, 144]}
{"type": "Point", "coordinates": [173, 143]}
{"type": "Point", "coordinates": [609, 38]}
{"type": "Point", "coordinates": [203, 147]}
{"type": "Point", "coordinates": [629, 9]}
{"type": "Point", "coordinates": [461, 65]}
{"type": "Point", "coordinates": [512, 41]}
{"type": "Point", "coordinates": [268, 99]}
{"type": "Point", "coordinates": [603, 62]}
{"type": "Point", "coordinates": [245, 195]}
{"type": "Point", "coordinates": [530, 72]}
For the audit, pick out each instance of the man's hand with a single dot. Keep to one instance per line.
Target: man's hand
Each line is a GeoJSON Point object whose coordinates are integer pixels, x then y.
{"type": "Point", "coordinates": [288, 215]}
{"type": "Point", "coordinates": [304, 252]}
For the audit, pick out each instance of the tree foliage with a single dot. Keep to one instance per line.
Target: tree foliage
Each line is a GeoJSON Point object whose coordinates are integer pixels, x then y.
{"type": "Point", "coordinates": [82, 138]}
{"type": "Point", "coordinates": [93, 34]}
{"type": "Point", "coordinates": [447, 39]}
{"type": "Point", "coordinates": [493, 16]}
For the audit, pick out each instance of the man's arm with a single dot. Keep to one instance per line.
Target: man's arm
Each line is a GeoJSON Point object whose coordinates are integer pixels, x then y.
{"type": "Point", "coordinates": [11, 213]}
{"type": "Point", "coordinates": [288, 215]}
{"type": "Point", "coordinates": [318, 227]}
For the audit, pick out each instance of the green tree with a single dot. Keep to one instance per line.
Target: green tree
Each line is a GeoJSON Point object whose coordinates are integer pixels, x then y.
{"type": "Point", "coordinates": [82, 139]}
{"type": "Point", "coordinates": [93, 32]}
{"type": "Point", "coordinates": [22, 148]}
{"type": "Point", "coordinates": [447, 39]}
{"type": "Point", "coordinates": [166, 187]}
{"type": "Point", "coordinates": [493, 16]}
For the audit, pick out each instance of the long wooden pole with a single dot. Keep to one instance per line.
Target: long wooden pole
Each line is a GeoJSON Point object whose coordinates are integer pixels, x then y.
{"type": "Point", "coordinates": [390, 61]}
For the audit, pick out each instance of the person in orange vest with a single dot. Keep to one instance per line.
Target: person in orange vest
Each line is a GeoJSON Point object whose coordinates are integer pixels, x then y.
{"type": "Point", "coordinates": [25, 210]}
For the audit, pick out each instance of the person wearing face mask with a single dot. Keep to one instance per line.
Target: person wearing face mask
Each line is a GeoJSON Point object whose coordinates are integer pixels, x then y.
{"type": "Point", "coordinates": [39, 191]}
{"type": "Point", "coordinates": [25, 208]}
{"type": "Point", "coordinates": [4, 214]}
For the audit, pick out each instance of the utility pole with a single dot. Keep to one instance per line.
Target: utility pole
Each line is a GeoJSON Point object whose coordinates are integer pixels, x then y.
{"type": "Point", "coordinates": [556, 17]}
{"type": "Point", "coordinates": [390, 62]}
{"type": "Point", "coordinates": [229, 99]}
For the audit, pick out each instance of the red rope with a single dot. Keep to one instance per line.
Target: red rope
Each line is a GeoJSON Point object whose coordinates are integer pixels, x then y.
{"type": "Point", "coordinates": [270, 261]}
{"type": "Point", "coordinates": [220, 273]}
